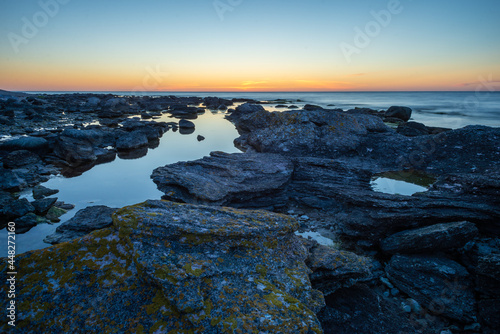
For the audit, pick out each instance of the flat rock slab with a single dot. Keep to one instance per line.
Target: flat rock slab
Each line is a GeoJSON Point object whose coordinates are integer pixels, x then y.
{"type": "Point", "coordinates": [224, 179]}
{"type": "Point", "coordinates": [439, 237]}
{"type": "Point", "coordinates": [165, 267]}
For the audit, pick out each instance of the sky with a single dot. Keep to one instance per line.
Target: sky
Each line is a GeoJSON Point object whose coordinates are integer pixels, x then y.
{"type": "Point", "coordinates": [249, 45]}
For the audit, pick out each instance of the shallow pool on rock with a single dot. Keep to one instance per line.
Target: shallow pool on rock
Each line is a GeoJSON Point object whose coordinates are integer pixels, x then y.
{"type": "Point", "coordinates": [322, 240]}
{"type": "Point", "coordinates": [402, 183]}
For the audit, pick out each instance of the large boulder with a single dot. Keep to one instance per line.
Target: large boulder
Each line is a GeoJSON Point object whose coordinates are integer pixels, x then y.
{"type": "Point", "coordinates": [326, 133]}
{"type": "Point", "coordinates": [250, 180]}
{"type": "Point", "coordinates": [403, 113]}
{"type": "Point", "coordinates": [74, 150]}
{"type": "Point", "coordinates": [439, 284]}
{"type": "Point", "coordinates": [85, 221]}
{"type": "Point", "coordinates": [11, 181]}
{"type": "Point", "coordinates": [33, 144]}
{"type": "Point", "coordinates": [439, 237]}
{"type": "Point", "coordinates": [166, 267]}
{"type": "Point", "coordinates": [132, 141]}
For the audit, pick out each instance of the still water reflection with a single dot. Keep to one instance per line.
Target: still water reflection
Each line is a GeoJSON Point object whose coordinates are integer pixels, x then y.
{"type": "Point", "coordinates": [125, 182]}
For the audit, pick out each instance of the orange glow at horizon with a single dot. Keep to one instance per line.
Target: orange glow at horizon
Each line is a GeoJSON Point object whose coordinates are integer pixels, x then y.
{"type": "Point", "coordinates": [57, 77]}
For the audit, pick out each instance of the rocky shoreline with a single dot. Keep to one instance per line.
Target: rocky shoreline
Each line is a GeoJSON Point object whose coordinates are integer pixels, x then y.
{"type": "Point", "coordinates": [426, 263]}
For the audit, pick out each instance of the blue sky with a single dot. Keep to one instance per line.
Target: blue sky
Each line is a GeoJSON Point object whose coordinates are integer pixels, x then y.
{"type": "Point", "coordinates": [257, 45]}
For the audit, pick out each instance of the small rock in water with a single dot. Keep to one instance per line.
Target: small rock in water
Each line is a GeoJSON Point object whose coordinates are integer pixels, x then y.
{"type": "Point", "coordinates": [40, 192]}
{"type": "Point", "coordinates": [200, 138]}
{"type": "Point", "coordinates": [304, 217]}
{"type": "Point", "coordinates": [184, 124]}
{"type": "Point", "coordinates": [394, 292]}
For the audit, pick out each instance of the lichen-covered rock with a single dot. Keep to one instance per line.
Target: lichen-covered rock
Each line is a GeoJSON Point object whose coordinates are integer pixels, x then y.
{"type": "Point", "coordinates": [166, 267]}
{"type": "Point", "coordinates": [439, 237]}
{"type": "Point", "coordinates": [251, 180]}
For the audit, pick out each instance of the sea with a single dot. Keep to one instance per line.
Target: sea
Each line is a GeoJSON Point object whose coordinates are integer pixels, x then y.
{"type": "Point", "coordinates": [127, 181]}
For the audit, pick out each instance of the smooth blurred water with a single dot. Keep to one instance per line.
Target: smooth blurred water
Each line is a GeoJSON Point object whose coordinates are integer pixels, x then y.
{"type": "Point", "coordinates": [441, 109]}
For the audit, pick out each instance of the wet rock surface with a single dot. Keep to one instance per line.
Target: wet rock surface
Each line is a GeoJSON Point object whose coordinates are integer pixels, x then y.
{"type": "Point", "coordinates": [170, 267]}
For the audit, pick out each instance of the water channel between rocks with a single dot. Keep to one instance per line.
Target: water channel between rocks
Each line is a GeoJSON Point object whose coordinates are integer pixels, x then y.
{"type": "Point", "coordinates": [126, 182]}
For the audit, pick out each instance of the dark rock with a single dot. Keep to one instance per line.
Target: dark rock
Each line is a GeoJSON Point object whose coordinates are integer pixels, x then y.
{"type": "Point", "coordinates": [361, 310]}
{"type": "Point", "coordinates": [109, 113]}
{"type": "Point", "coordinates": [311, 107]}
{"type": "Point", "coordinates": [131, 141]}
{"type": "Point", "coordinates": [27, 222]}
{"type": "Point", "coordinates": [200, 138]}
{"type": "Point", "coordinates": [299, 133]}
{"type": "Point", "coordinates": [176, 268]}
{"type": "Point", "coordinates": [440, 237]}
{"type": "Point", "coordinates": [483, 261]}
{"type": "Point", "coordinates": [104, 155]}
{"type": "Point", "coordinates": [251, 180]}
{"type": "Point", "coordinates": [133, 154]}
{"type": "Point", "coordinates": [33, 144]}
{"type": "Point", "coordinates": [333, 269]}
{"type": "Point", "coordinates": [11, 181]}
{"type": "Point", "coordinates": [94, 137]}
{"type": "Point", "coordinates": [85, 221]}
{"type": "Point", "coordinates": [42, 206]}
{"type": "Point", "coordinates": [15, 208]}
{"type": "Point", "coordinates": [412, 129]}
{"type": "Point", "coordinates": [441, 285]}
{"type": "Point", "coordinates": [109, 122]}
{"type": "Point", "coordinates": [186, 131]}
{"type": "Point", "coordinates": [64, 206]}
{"type": "Point", "coordinates": [20, 158]}
{"type": "Point", "coordinates": [184, 124]}
{"type": "Point", "coordinates": [489, 313]}
{"type": "Point", "coordinates": [245, 109]}
{"type": "Point", "coordinates": [74, 151]}
{"type": "Point", "coordinates": [403, 113]}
